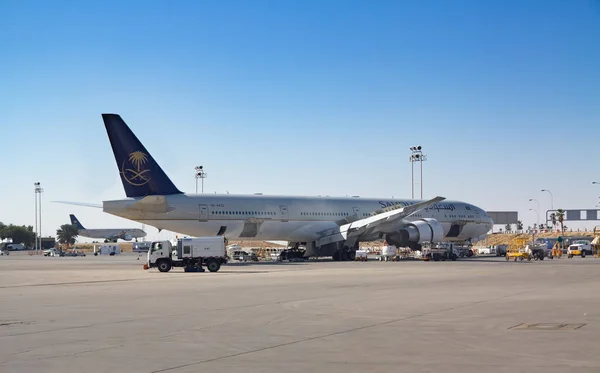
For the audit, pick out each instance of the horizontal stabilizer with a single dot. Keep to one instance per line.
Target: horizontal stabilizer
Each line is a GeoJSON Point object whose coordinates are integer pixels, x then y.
{"type": "Point", "coordinates": [95, 205]}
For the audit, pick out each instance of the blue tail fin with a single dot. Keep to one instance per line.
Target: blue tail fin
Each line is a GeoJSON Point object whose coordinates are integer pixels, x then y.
{"type": "Point", "coordinates": [140, 174]}
{"type": "Point", "coordinates": [75, 222]}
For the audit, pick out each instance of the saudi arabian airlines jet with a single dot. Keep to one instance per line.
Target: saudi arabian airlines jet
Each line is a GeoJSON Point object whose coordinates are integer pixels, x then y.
{"type": "Point", "coordinates": [108, 234]}
{"type": "Point", "coordinates": [327, 226]}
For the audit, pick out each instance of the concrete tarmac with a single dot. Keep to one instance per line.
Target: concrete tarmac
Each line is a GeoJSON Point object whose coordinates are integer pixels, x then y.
{"type": "Point", "coordinates": [106, 314]}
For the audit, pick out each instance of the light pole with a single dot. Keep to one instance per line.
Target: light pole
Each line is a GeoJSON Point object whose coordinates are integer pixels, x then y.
{"type": "Point", "coordinates": [416, 156]}
{"type": "Point", "coordinates": [200, 174]}
{"type": "Point", "coordinates": [537, 214]}
{"type": "Point", "coordinates": [551, 203]}
{"type": "Point", "coordinates": [38, 215]}
{"type": "Point", "coordinates": [538, 208]}
{"type": "Point", "coordinates": [35, 186]}
{"type": "Point", "coordinates": [551, 198]}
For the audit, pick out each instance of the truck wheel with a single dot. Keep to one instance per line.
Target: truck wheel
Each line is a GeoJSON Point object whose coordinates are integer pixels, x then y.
{"type": "Point", "coordinates": [213, 265]}
{"type": "Point", "coordinates": [164, 266]}
{"type": "Point", "coordinates": [583, 254]}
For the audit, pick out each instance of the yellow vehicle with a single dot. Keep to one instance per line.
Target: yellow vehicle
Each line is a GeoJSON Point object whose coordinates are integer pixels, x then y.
{"type": "Point", "coordinates": [518, 250]}
{"type": "Point", "coordinates": [557, 250]}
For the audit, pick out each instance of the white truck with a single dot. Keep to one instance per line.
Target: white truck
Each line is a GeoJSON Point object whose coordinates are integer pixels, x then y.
{"type": "Point", "coordinates": [580, 247]}
{"type": "Point", "coordinates": [189, 253]}
{"type": "Point", "coordinates": [108, 249]}
{"type": "Point", "coordinates": [440, 251]}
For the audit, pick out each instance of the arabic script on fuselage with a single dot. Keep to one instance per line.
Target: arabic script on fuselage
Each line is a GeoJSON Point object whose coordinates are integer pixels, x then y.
{"type": "Point", "coordinates": [438, 206]}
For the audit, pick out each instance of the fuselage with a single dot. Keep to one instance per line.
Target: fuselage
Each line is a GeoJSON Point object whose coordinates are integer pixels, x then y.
{"type": "Point", "coordinates": [112, 233]}
{"type": "Point", "coordinates": [289, 218]}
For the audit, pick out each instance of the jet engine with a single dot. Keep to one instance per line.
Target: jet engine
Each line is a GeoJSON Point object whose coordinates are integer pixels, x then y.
{"type": "Point", "coordinates": [127, 237]}
{"type": "Point", "coordinates": [416, 232]}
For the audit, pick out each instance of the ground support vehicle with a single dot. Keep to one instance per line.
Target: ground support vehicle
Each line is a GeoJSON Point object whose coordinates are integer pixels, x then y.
{"type": "Point", "coordinates": [580, 247]}
{"type": "Point", "coordinates": [518, 250]}
{"type": "Point", "coordinates": [189, 253]}
{"type": "Point", "coordinates": [557, 250]}
{"type": "Point", "coordinates": [361, 256]}
{"type": "Point", "coordinates": [442, 251]}
{"type": "Point", "coordinates": [518, 255]}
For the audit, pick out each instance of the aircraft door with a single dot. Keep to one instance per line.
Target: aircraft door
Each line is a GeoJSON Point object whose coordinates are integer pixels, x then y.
{"type": "Point", "coordinates": [284, 213]}
{"type": "Point", "coordinates": [356, 211]}
{"type": "Point", "coordinates": [202, 212]}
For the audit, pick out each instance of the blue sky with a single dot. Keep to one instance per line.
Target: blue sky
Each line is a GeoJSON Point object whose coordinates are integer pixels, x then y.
{"type": "Point", "coordinates": [303, 97]}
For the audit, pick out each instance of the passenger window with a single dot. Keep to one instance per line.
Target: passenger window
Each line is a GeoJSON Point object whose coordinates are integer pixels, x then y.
{"type": "Point", "coordinates": [187, 250]}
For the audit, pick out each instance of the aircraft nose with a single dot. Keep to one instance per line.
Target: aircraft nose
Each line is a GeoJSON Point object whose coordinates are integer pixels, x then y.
{"type": "Point", "coordinates": [488, 222]}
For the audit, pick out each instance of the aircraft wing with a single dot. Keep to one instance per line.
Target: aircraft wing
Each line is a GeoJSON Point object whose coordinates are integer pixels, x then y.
{"type": "Point", "coordinates": [355, 229]}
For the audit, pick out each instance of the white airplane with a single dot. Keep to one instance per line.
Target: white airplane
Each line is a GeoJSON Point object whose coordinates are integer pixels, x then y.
{"type": "Point", "coordinates": [108, 234]}
{"type": "Point", "coordinates": [327, 226]}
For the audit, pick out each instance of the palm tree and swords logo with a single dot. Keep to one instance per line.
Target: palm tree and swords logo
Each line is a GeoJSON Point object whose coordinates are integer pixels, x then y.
{"type": "Point", "coordinates": [136, 174]}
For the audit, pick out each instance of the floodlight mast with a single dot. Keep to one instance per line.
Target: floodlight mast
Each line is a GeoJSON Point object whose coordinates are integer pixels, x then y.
{"type": "Point", "coordinates": [38, 215]}
{"type": "Point", "coordinates": [200, 174]}
{"type": "Point", "coordinates": [416, 156]}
